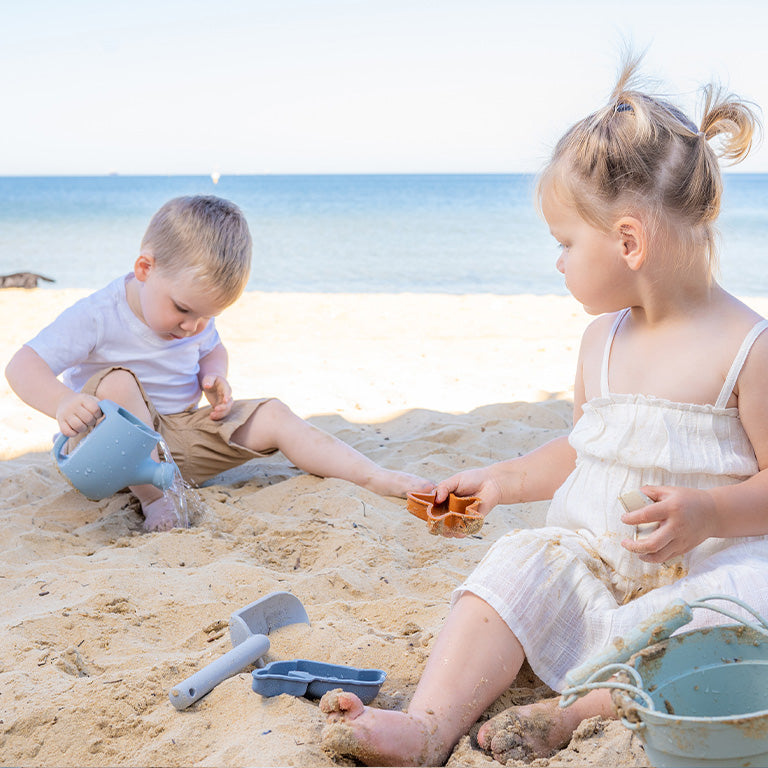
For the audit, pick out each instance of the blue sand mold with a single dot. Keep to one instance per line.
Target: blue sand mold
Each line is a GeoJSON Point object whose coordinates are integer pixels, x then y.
{"type": "Point", "coordinates": [301, 677]}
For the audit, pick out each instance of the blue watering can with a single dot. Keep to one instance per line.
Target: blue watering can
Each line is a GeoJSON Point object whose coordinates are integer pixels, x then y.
{"type": "Point", "coordinates": [114, 455]}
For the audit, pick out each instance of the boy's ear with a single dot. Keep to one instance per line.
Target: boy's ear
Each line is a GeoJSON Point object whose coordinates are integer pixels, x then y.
{"type": "Point", "coordinates": [143, 266]}
{"type": "Point", "coordinates": [633, 241]}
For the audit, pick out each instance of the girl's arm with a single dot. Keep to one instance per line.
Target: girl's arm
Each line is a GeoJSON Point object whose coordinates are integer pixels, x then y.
{"type": "Point", "coordinates": [537, 475]}
{"type": "Point", "coordinates": [688, 516]}
{"type": "Point", "coordinates": [742, 509]}
{"type": "Point", "coordinates": [532, 477]}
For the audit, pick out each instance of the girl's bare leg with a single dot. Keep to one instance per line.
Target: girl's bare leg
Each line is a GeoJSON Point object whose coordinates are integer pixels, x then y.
{"type": "Point", "coordinates": [539, 729]}
{"type": "Point", "coordinates": [312, 450]}
{"type": "Point", "coordinates": [475, 659]}
{"type": "Point", "coordinates": [159, 510]}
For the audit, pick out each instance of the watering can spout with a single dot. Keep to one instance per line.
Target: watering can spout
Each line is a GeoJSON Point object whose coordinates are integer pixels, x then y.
{"type": "Point", "coordinates": [162, 474]}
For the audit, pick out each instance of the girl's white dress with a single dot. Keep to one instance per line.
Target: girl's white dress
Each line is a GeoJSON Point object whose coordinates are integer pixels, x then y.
{"type": "Point", "coordinates": [568, 589]}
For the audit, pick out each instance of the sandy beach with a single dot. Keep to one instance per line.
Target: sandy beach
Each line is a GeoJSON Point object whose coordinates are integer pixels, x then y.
{"type": "Point", "coordinates": [100, 620]}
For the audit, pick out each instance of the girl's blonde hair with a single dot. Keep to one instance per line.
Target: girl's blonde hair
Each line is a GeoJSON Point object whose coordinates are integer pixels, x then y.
{"type": "Point", "coordinates": [205, 237]}
{"type": "Point", "coordinates": [641, 155]}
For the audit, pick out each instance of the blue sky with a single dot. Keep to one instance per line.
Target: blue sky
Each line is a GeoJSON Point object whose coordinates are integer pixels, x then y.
{"type": "Point", "coordinates": [325, 86]}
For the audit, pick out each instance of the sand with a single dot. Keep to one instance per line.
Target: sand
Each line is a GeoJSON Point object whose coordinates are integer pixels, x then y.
{"type": "Point", "coordinates": [99, 621]}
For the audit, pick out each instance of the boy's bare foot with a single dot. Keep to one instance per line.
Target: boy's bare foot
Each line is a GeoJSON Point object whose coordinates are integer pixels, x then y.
{"type": "Point", "coordinates": [160, 515]}
{"type": "Point", "coordinates": [527, 732]}
{"type": "Point", "coordinates": [377, 736]}
{"type": "Point", "coordinates": [389, 482]}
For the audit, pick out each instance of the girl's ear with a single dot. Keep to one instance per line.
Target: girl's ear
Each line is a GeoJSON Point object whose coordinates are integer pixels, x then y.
{"type": "Point", "coordinates": [143, 266]}
{"type": "Point", "coordinates": [633, 241]}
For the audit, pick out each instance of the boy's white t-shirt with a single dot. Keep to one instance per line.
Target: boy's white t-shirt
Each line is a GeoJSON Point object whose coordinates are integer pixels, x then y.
{"type": "Point", "coordinates": [101, 330]}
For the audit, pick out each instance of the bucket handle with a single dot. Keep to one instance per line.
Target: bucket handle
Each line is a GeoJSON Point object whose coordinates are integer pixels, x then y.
{"type": "Point", "coordinates": [594, 682]}
{"type": "Point", "coordinates": [596, 672]}
{"type": "Point", "coordinates": [761, 626]}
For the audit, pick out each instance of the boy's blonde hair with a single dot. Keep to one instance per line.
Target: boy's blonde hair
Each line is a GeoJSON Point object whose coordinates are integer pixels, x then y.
{"type": "Point", "coordinates": [641, 155]}
{"type": "Point", "coordinates": [206, 236]}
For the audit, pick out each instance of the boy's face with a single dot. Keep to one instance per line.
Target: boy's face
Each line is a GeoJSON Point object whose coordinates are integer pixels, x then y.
{"type": "Point", "coordinates": [173, 306]}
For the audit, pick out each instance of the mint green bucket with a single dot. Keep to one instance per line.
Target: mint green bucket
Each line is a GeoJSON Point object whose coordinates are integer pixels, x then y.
{"type": "Point", "coordinates": [699, 698]}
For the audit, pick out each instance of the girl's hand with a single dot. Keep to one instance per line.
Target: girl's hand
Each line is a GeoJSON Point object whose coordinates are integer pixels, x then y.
{"type": "Point", "coordinates": [219, 394]}
{"type": "Point", "coordinates": [76, 412]}
{"type": "Point", "coordinates": [472, 482]}
{"type": "Point", "coordinates": [686, 517]}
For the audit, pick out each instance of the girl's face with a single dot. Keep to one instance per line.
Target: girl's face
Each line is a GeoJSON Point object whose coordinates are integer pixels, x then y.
{"type": "Point", "coordinates": [590, 259]}
{"type": "Point", "coordinates": [172, 306]}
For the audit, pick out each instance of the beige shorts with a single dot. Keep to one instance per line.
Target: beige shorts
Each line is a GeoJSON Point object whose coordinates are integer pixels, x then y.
{"type": "Point", "coordinates": [200, 446]}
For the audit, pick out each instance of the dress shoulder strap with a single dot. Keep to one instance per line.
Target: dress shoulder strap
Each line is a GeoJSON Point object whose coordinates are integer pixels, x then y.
{"type": "Point", "coordinates": [604, 390]}
{"type": "Point", "coordinates": [738, 363]}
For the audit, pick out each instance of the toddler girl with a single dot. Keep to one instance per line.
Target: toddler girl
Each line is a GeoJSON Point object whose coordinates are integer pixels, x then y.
{"type": "Point", "coordinates": [671, 398]}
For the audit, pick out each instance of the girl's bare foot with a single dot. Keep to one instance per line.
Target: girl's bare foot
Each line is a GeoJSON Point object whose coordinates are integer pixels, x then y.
{"type": "Point", "coordinates": [527, 732]}
{"type": "Point", "coordinates": [378, 736]}
{"type": "Point", "coordinates": [389, 482]}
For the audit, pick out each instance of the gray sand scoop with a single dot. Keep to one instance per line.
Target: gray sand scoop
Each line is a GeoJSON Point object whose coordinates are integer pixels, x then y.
{"type": "Point", "coordinates": [248, 630]}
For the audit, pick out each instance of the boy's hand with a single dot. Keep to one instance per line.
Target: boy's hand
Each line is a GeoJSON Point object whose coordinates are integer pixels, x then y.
{"type": "Point", "coordinates": [219, 394]}
{"type": "Point", "coordinates": [472, 482]}
{"type": "Point", "coordinates": [76, 412]}
{"type": "Point", "coordinates": [686, 517]}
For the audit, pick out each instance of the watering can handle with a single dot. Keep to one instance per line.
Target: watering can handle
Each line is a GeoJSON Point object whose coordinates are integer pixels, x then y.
{"type": "Point", "coordinates": [206, 679]}
{"type": "Point", "coordinates": [655, 628]}
{"type": "Point", "coordinates": [58, 445]}
{"type": "Point", "coordinates": [61, 440]}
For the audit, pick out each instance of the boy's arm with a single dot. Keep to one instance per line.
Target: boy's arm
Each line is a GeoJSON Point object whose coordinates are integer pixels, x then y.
{"type": "Point", "coordinates": [215, 363]}
{"type": "Point", "coordinates": [32, 379]}
{"type": "Point", "coordinates": [213, 381]}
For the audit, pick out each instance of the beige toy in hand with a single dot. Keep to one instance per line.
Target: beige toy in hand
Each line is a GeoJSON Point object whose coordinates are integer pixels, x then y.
{"type": "Point", "coordinates": [633, 500]}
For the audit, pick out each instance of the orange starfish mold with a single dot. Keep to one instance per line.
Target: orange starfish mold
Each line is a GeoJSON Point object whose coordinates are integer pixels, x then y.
{"type": "Point", "coordinates": [457, 514]}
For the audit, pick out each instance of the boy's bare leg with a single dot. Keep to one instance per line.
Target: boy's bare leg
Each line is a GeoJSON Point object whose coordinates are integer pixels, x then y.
{"type": "Point", "coordinates": [159, 510]}
{"type": "Point", "coordinates": [475, 659]}
{"type": "Point", "coordinates": [275, 425]}
{"type": "Point", "coordinates": [539, 729]}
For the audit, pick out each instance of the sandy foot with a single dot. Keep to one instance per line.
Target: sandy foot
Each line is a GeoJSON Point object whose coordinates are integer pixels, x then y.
{"type": "Point", "coordinates": [376, 736]}
{"type": "Point", "coordinates": [160, 515]}
{"type": "Point", "coordinates": [527, 732]}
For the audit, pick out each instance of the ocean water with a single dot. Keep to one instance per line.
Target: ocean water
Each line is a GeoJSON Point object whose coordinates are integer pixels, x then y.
{"type": "Point", "coordinates": [406, 233]}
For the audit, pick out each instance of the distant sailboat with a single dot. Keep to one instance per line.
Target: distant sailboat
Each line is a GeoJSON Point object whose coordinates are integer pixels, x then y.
{"type": "Point", "coordinates": [215, 176]}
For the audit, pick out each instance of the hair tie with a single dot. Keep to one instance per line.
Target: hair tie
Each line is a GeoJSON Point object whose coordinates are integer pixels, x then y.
{"type": "Point", "coordinates": [623, 107]}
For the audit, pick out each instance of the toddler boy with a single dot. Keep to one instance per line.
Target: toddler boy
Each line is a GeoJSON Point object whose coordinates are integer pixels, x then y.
{"type": "Point", "coordinates": [148, 342]}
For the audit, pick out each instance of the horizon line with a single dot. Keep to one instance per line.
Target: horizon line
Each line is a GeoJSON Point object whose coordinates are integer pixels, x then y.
{"type": "Point", "coordinates": [220, 175]}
